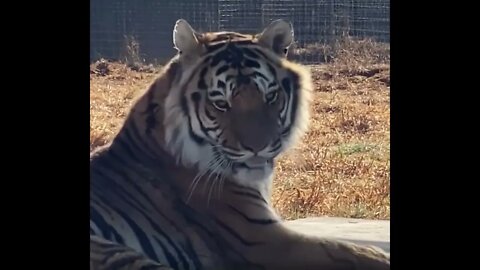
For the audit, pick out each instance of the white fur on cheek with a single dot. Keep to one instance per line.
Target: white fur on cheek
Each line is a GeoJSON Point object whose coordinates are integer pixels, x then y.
{"type": "Point", "coordinates": [177, 134]}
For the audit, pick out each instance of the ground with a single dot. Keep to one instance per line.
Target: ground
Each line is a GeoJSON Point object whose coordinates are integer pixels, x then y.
{"type": "Point", "coordinates": [342, 165]}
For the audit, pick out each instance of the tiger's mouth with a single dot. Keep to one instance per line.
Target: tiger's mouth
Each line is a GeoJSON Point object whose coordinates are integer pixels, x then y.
{"type": "Point", "coordinates": [253, 163]}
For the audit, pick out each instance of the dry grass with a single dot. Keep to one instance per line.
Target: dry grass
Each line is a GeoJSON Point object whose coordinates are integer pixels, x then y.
{"type": "Point", "coordinates": [342, 165]}
{"type": "Point", "coordinates": [113, 88]}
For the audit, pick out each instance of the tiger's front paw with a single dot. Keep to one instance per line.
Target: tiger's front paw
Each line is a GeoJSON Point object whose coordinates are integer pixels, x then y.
{"type": "Point", "coordinates": [367, 257]}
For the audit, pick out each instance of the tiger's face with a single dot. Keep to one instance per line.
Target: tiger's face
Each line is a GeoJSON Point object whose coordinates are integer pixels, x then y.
{"type": "Point", "coordinates": [236, 103]}
{"type": "Point", "coordinates": [243, 111]}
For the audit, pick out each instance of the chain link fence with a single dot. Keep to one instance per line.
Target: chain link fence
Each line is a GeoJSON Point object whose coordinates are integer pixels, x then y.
{"type": "Point", "coordinates": [141, 30]}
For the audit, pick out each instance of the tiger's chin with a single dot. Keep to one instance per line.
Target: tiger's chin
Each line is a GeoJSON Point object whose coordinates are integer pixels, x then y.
{"type": "Point", "coordinates": [245, 173]}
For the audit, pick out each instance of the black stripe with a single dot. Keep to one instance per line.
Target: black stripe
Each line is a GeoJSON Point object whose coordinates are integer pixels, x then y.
{"type": "Point", "coordinates": [222, 69]}
{"type": "Point", "coordinates": [187, 214]}
{"type": "Point", "coordinates": [206, 59]}
{"type": "Point", "coordinates": [250, 53]}
{"type": "Point", "coordinates": [230, 152]}
{"type": "Point", "coordinates": [196, 96]}
{"type": "Point", "coordinates": [282, 120]}
{"type": "Point", "coordinates": [210, 116]}
{"type": "Point", "coordinates": [247, 190]}
{"type": "Point", "coordinates": [251, 63]}
{"type": "Point", "coordinates": [201, 82]}
{"type": "Point", "coordinates": [272, 70]}
{"type": "Point", "coordinates": [272, 84]}
{"type": "Point", "coordinates": [276, 147]}
{"type": "Point", "coordinates": [141, 139]}
{"type": "Point", "coordinates": [253, 220]}
{"type": "Point", "coordinates": [221, 85]}
{"type": "Point", "coordinates": [277, 142]}
{"type": "Point", "coordinates": [284, 105]}
{"type": "Point", "coordinates": [197, 139]}
{"type": "Point", "coordinates": [141, 236]}
{"type": "Point", "coordinates": [184, 105]}
{"type": "Point", "coordinates": [107, 246]}
{"type": "Point", "coordinates": [234, 55]}
{"type": "Point", "coordinates": [294, 95]}
{"type": "Point", "coordinates": [258, 51]}
{"type": "Point", "coordinates": [236, 235]}
{"type": "Point", "coordinates": [119, 142]}
{"type": "Point", "coordinates": [192, 254]}
{"type": "Point", "coordinates": [243, 79]}
{"type": "Point", "coordinates": [219, 56]}
{"type": "Point", "coordinates": [284, 109]}
{"type": "Point", "coordinates": [107, 229]}
{"type": "Point", "coordinates": [286, 86]}
{"type": "Point", "coordinates": [116, 236]}
{"type": "Point", "coordinates": [120, 262]}
{"type": "Point", "coordinates": [228, 78]}
{"type": "Point", "coordinates": [100, 203]}
{"type": "Point", "coordinates": [204, 129]}
{"type": "Point", "coordinates": [220, 134]}
{"type": "Point", "coordinates": [128, 195]}
{"type": "Point", "coordinates": [132, 135]}
{"type": "Point", "coordinates": [150, 120]}
{"type": "Point", "coordinates": [213, 128]}
{"type": "Point", "coordinates": [171, 260]}
{"type": "Point", "coordinates": [119, 156]}
{"type": "Point", "coordinates": [256, 73]}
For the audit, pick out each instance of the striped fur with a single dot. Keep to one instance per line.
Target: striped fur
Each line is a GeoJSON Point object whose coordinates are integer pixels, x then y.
{"type": "Point", "coordinates": [186, 182]}
{"type": "Point", "coordinates": [107, 255]}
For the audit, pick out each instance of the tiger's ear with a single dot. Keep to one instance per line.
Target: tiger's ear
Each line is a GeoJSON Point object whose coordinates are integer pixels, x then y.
{"type": "Point", "coordinates": [184, 37]}
{"type": "Point", "coordinates": [277, 36]}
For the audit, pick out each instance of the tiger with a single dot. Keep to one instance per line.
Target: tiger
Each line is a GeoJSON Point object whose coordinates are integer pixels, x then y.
{"type": "Point", "coordinates": [186, 181]}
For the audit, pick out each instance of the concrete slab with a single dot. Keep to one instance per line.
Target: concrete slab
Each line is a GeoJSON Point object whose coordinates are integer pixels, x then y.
{"type": "Point", "coordinates": [361, 231]}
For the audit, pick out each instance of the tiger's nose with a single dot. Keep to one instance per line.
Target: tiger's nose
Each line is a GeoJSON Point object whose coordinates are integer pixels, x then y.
{"type": "Point", "coordinates": [254, 144]}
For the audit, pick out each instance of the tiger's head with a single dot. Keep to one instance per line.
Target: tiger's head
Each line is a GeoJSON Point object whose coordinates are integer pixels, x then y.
{"type": "Point", "coordinates": [236, 102]}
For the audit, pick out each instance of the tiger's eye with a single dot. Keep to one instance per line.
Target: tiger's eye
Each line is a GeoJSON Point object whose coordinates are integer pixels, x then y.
{"type": "Point", "coordinates": [271, 97]}
{"type": "Point", "coordinates": [221, 105]}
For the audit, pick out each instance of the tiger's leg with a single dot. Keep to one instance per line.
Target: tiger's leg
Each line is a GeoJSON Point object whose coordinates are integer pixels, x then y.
{"type": "Point", "coordinates": [321, 253]}
{"type": "Point", "coordinates": [298, 251]}
{"type": "Point", "coordinates": [255, 231]}
{"type": "Point", "coordinates": [107, 255]}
